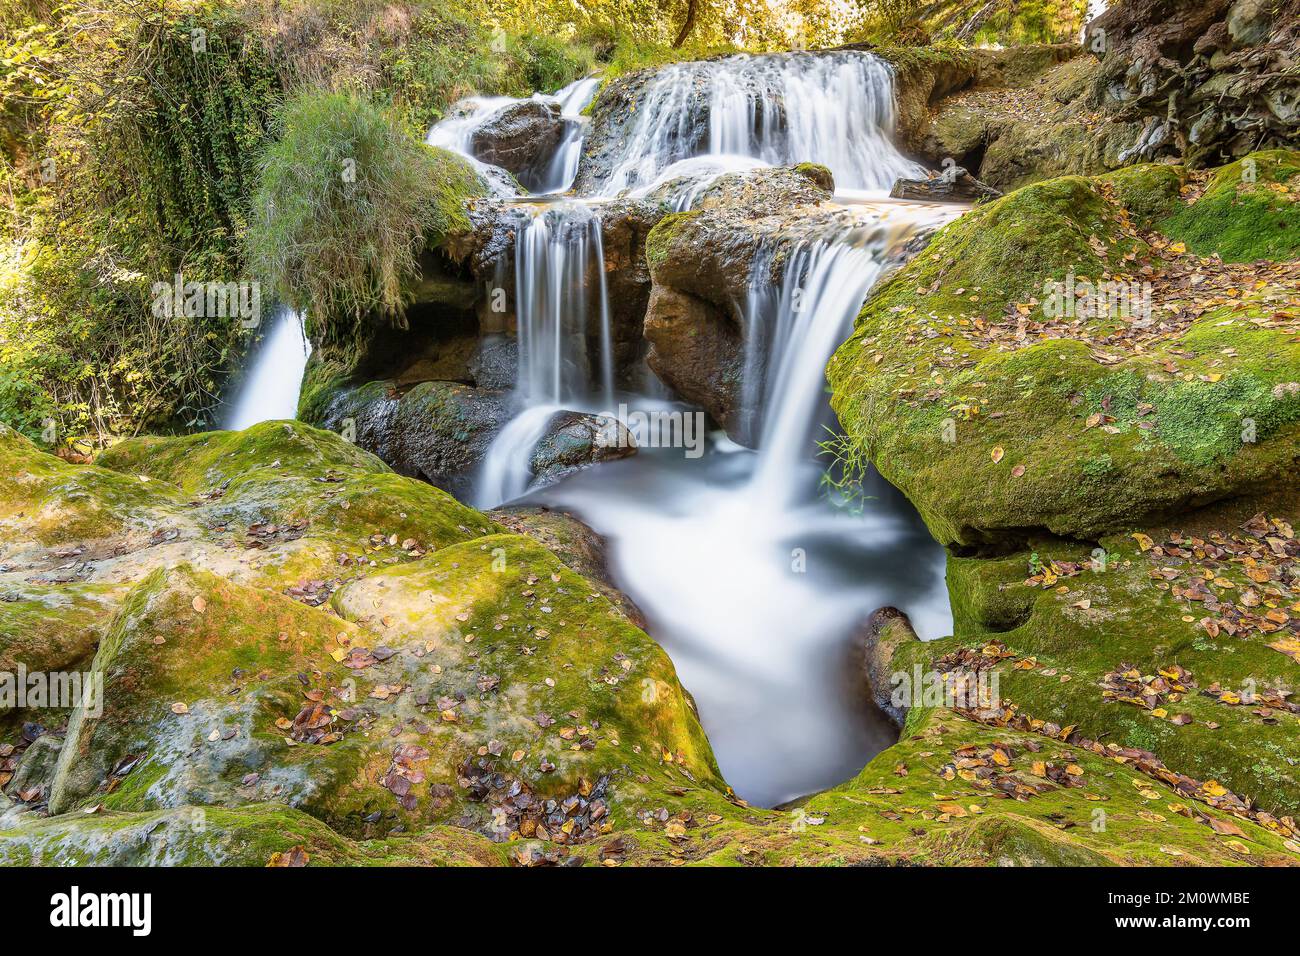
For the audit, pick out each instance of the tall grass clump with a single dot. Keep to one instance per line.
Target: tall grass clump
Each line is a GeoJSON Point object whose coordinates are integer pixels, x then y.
{"type": "Point", "coordinates": [347, 200]}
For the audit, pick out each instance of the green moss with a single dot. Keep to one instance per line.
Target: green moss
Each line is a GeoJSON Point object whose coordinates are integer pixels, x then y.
{"type": "Point", "coordinates": [660, 239]}
{"type": "Point", "coordinates": [1149, 192]}
{"type": "Point", "coordinates": [45, 500]}
{"type": "Point", "coordinates": [1249, 211]}
{"type": "Point", "coordinates": [287, 473]}
{"type": "Point", "coordinates": [1197, 416]}
{"type": "Point", "coordinates": [1128, 618]}
{"type": "Point", "coordinates": [218, 836]}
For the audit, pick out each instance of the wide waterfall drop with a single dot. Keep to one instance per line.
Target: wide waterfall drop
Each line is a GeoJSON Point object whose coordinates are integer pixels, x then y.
{"type": "Point", "coordinates": [273, 379]}
{"type": "Point", "coordinates": [836, 109]}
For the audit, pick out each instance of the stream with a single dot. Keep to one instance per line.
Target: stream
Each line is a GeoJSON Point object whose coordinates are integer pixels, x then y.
{"type": "Point", "coordinates": [751, 578]}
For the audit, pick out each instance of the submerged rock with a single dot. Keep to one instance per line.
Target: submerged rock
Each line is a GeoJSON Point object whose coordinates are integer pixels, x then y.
{"type": "Point", "coordinates": [885, 631]}
{"type": "Point", "coordinates": [576, 440]}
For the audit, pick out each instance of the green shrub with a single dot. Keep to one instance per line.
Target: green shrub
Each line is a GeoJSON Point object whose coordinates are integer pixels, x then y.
{"type": "Point", "coordinates": [347, 200]}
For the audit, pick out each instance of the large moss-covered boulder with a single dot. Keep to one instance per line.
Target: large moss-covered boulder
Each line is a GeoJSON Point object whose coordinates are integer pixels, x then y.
{"type": "Point", "coordinates": [1248, 210]}
{"type": "Point", "coordinates": [1178, 640]}
{"type": "Point", "coordinates": [487, 683]}
{"type": "Point", "coordinates": [1000, 402]}
{"type": "Point", "coordinates": [47, 503]}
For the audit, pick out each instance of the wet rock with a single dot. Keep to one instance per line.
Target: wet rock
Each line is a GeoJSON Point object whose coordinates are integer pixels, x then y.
{"type": "Point", "coordinates": [520, 138]}
{"type": "Point", "coordinates": [495, 363]}
{"type": "Point", "coordinates": [576, 440]}
{"type": "Point", "coordinates": [438, 431]}
{"type": "Point", "coordinates": [703, 262]}
{"type": "Point", "coordinates": [882, 634]}
{"type": "Point", "coordinates": [956, 186]}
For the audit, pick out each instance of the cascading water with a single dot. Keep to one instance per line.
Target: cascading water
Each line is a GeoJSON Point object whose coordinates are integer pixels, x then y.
{"type": "Point", "coordinates": [456, 133]}
{"type": "Point", "coordinates": [561, 311]}
{"type": "Point", "coordinates": [823, 287]}
{"type": "Point", "coordinates": [272, 381]}
{"type": "Point", "coordinates": [753, 583]}
{"type": "Point", "coordinates": [559, 258]}
{"type": "Point", "coordinates": [833, 108]}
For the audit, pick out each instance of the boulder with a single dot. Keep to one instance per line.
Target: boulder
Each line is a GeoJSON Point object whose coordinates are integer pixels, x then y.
{"type": "Point", "coordinates": [994, 411]}
{"type": "Point", "coordinates": [1206, 83]}
{"type": "Point", "coordinates": [703, 263]}
{"type": "Point", "coordinates": [576, 440]}
{"type": "Point", "coordinates": [884, 632]}
{"type": "Point", "coordinates": [437, 431]}
{"type": "Point", "coordinates": [520, 138]}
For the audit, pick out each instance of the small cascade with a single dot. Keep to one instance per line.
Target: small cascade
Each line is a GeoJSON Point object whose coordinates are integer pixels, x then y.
{"type": "Point", "coordinates": [562, 305]}
{"type": "Point", "coordinates": [505, 473]}
{"type": "Point", "coordinates": [823, 287]}
{"type": "Point", "coordinates": [270, 386]}
{"type": "Point", "coordinates": [456, 133]}
{"type": "Point", "coordinates": [832, 108]}
{"type": "Point", "coordinates": [566, 351]}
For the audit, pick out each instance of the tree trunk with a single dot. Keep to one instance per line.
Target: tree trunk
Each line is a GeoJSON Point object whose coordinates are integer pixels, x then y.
{"type": "Point", "coordinates": [687, 25]}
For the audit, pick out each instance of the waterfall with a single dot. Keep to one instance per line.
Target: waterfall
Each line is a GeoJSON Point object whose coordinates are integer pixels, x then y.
{"type": "Point", "coordinates": [561, 311]}
{"type": "Point", "coordinates": [456, 133]}
{"type": "Point", "coordinates": [832, 108]}
{"type": "Point", "coordinates": [824, 284]}
{"type": "Point", "coordinates": [560, 290]}
{"type": "Point", "coordinates": [505, 473]}
{"type": "Point", "coordinates": [270, 385]}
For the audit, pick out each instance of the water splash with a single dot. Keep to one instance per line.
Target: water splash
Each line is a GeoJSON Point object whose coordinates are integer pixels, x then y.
{"type": "Point", "coordinates": [505, 473]}
{"type": "Point", "coordinates": [270, 386]}
{"type": "Point", "coordinates": [831, 108]}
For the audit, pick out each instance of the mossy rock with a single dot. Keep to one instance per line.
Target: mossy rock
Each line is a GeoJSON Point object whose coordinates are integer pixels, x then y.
{"type": "Point", "coordinates": [46, 501]}
{"type": "Point", "coordinates": [1250, 210]}
{"type": "Point", "coordinates": [1150, 192]}
{"type": "Point", "coordinates": [191, 655]}
{"type": "Point", "coordinates": [287, 474]}
{"type": "Point", "coordinates": [572, 685]}
{"type": "Point", "coordinates": [992, 442]}
{"type": "Point", "coordinates": [1114, 612]}
{"type": "Point", "coordinates": [254, 835]}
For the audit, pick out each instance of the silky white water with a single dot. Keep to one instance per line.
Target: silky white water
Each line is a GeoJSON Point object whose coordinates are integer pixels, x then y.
{"type": "Point", "coordinates": [749, 577]}
{"type": "Point", "coordinates": [751, 580]}
{"type": "Point", "coordinates": [836, 109]}
{"type": "Point", "coordinates": [271, 383]}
